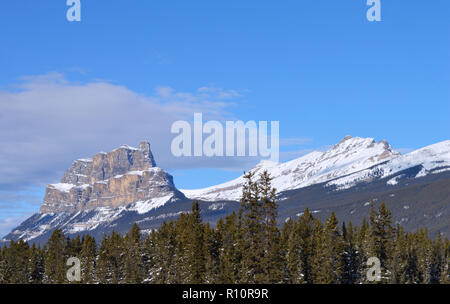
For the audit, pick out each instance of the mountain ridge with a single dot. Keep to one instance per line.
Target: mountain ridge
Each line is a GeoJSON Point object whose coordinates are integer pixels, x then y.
{"type": "Point", "coordinates": [343, 165]}
{"type": "Point", "coordinates": [114, 190]}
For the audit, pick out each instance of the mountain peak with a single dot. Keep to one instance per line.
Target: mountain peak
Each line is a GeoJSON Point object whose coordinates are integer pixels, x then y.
{"type": "Point", "coordinates": [347, 137]}
{"type": "Point", "coordinates": [144, 146]}
{"type": "Point", "coordinates": [347, 140]}
{"type": "Point", "coordinates": [350, 155]}
{"type": "Point", "coordinates": [361, 144]}
{"type": "Point", "coordinates": [117, 178]}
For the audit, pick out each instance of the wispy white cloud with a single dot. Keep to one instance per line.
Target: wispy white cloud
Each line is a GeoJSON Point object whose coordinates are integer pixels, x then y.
{"type": "Point", "coordinates": [47, 121]}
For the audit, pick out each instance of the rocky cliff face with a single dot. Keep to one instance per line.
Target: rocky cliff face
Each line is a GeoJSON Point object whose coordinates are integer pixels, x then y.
{"type": "Point", "coordinates": [114, 190]}
{"type": "Point", "coordinates": [118, 178]}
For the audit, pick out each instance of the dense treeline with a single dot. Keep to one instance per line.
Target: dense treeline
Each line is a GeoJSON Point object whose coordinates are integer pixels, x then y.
{"type": "Point", "coordinates": [245, 247]}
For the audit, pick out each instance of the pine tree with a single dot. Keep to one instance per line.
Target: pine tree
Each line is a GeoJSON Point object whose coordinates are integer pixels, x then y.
{"type": "Point", "coordinates": [212, 254]}
{"type": "Point", "coordinates": [272, 238]}
{"type": "Point", "coordinates": [165, 259]}
{"type": "Point", "coordinates": [102, 270]}
{"type": "Point", "coordinates": [88, 259]}
{"type": "Point", "coordinates": [310, 233]}
{"type": "Point", "coordinates": [364, 248]}
{"type": "Point", "coordinates": [399, 258]}
{"type": "Point", "coordinates": [437, 261]}
{"type": "Point", "coordinates": [330, 254]}
{"type": "Point", "coordinates": [110, 261]}
{"type": "Point", "coordinates": [73, 247]}
{"type": "Point", "coordinates": [148, 258]}
{"type": "Point", "coordinates": [291, 271]}
{"type": "Point", "coordinates": [16, 263]}
{"type": "Point", "coordinates": [228, 258]}
{"type": "Point", "coordinates": [3, 265]}
{"type": "Point", "coordinates": [252, 267]}
{"type": "Point", "coordinates": [55, 258]}
{"type": "Point", "coordinates": [382, 238]}
{"type": "Point", "coordinates": [445, 272]}
{"type": "Point", "coordinates": [424, 250]}
{"type": "Point", "coordinates": [301, 240]}
{"type": "Point", "coordinates": [194, 246]}
{"type": "Point", "coordinates": [412, 273]}
{"type": "Point", "coordinates": [36, 265]}
{"type": "Point", "coordinates": [132, 246]}
{"type": "Point", "coordinates": [6, 268]}
{"type": "Point", "coordinates": [116, 258]}
{"type": "Point", "coordinates": [352, 255]}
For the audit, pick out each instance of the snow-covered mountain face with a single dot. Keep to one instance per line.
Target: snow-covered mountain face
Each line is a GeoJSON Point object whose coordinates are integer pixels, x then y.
{"type": "Point", "coordinates": [113, 190]}
{"type": "Point", "coordinates": [431, 160]}
{"type": "Point", "coordinates": [99, 192]}
{"type": "Point", "coordinates": [351, 161]}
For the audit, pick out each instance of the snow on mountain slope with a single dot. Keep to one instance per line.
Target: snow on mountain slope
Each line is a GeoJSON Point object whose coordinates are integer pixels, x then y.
{"type": "Point", "coordinates": [111, 187]}
{"type": "Point", "coordinates": [349, 156]}
{"type": "Point", "coordinates": [432, 159]}
{"type": "Point", "coordinates": [85, 220]}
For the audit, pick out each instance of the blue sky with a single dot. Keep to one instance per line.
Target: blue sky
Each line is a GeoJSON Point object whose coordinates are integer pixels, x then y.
{"type": "Point", "coordinates": [319, 67]}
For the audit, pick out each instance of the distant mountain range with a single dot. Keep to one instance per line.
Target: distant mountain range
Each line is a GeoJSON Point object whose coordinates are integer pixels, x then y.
{"type": "Point", "coordinates": [113, 190]}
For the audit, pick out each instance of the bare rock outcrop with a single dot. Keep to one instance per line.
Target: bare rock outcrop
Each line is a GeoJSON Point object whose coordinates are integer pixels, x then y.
{"type": "Point", "coordinates": [118, 178]}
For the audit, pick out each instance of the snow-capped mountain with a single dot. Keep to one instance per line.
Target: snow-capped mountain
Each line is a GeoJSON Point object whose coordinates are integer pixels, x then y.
{"type": "Point", "coordinates": [432, 159]}
{"type": "Point", "coordinates": [125, 177]}
{"type": "Point", "coordinates": [349, 156]}
{"type": "Point", "coordinates": [351, 161]}
{"type": "Point", "coordinates": [352, 174]}
{"type": "Point", "coordinates": [113, 190]}
{"type": "Point", "coordinates": [96, 194]}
